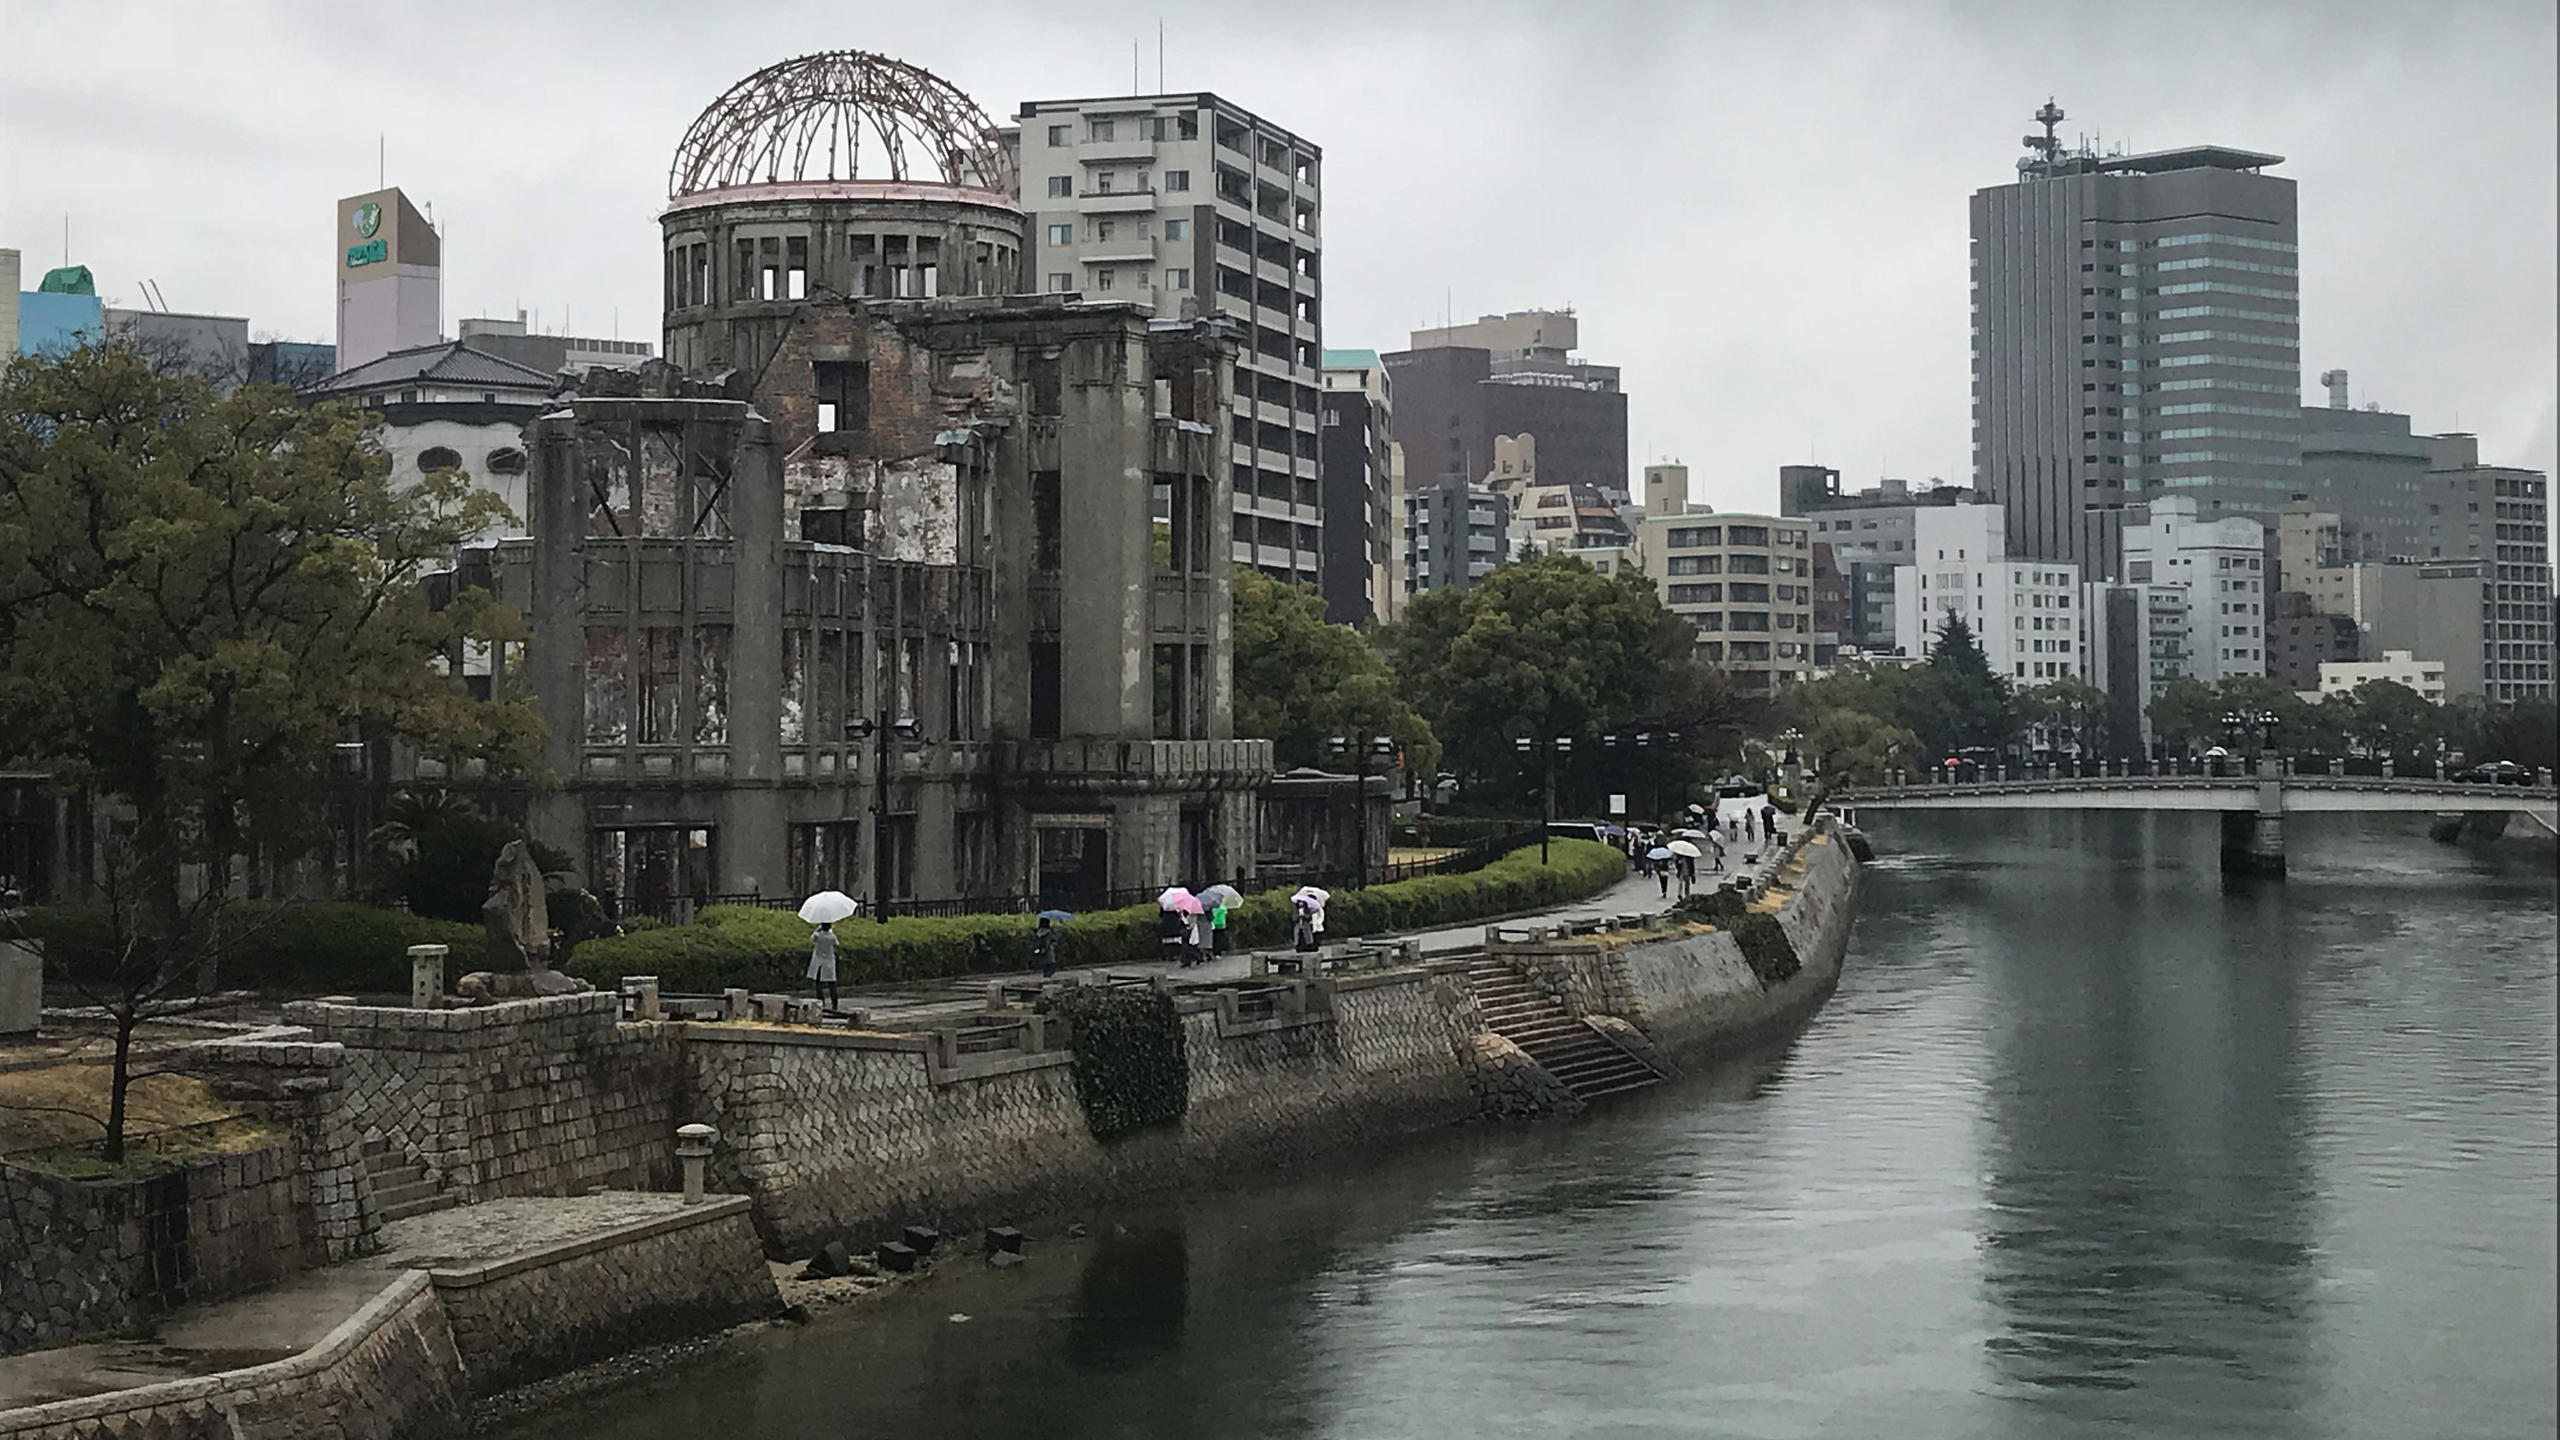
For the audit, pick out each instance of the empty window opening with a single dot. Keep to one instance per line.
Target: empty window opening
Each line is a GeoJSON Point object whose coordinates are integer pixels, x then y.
{"type": "Point", "coordinates": [844, 395]}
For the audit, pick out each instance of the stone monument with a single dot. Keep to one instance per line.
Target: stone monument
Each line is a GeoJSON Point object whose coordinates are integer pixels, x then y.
{"type": "Point", "coordinates": [517, 922]}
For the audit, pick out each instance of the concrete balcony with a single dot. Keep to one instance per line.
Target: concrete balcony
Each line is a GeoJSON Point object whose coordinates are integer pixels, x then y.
{"type": "Point", "coordinates": [1116, 152]}
{"type": "Point", "coordinates": [1116, 202]}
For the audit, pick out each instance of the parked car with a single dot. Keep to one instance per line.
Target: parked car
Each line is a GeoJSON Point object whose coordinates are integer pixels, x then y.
{"type": "Point", "coordinates": [1577, 830]}
{"type": "Point", "coordinates": [2496, 772]}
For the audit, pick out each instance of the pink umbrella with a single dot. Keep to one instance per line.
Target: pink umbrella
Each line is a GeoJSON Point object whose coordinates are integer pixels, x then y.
{"type": "Point", "coordinates": [1180, 901]}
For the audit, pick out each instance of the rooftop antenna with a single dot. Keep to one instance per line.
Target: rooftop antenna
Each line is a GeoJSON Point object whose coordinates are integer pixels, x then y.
{"type": "Point", "coordinates": [1159, 54]}
{"type": "Point", "coordinates": [1133, 67]}
{"type": "Point", "coordinates": [2046, 145]}
{"type": "Point", "coordinates": [381, 160]}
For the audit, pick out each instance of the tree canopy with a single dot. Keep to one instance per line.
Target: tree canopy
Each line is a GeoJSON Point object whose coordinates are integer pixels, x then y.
{"type": "Point", "coordinates": [1551, 647]}
{"type": "Point", "coordinates": [1299, 681]}
{"type": "Point", "coordinates": [202, 596]}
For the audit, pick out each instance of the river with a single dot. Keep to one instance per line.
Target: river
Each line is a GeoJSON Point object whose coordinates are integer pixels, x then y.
{"type": "Point", "coordinates": [2088, 1143]}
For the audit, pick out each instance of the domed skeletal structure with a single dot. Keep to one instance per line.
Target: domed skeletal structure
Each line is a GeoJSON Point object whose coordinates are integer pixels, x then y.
{"type": "Point", "coordinates": [841, 115]}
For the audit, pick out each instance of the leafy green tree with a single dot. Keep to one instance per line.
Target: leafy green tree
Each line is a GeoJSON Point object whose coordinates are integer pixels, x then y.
{"type": "Point", "coordinates": [2384, 717]}
{"type": "Point", "coordinates": [1852, 747]}
{"type": "Point", "coordinates": [202, 596]}
{"type": "Point", "coordinates": [1551, 647]}
{"type": "Point", "coordinates": [2070, 711]}
{"type": "Point", "coordinates": [1300, 681]}
{"type": "Point", "coordinates": [2186, 714]}
{"type": "Point", "coordinates": [2524, 731]}
{"type": "Point", "coordinates": [1972, 706]}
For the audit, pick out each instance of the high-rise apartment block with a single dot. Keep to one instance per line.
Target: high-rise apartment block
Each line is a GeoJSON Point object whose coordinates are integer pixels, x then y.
{"type": "Point", "coordinates": [2136, 333]}
{"type": "Point", "coordinates": [1453, 533]}
{"type": "Point", "coordinates": [1194, 208]}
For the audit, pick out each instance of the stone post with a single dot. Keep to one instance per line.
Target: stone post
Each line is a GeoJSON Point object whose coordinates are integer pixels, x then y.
{"type": "Point", "coordinates": [733, 1003]}
{"type": "Point", "coordinates": [2389, 765]}
{"type": "Point", "coordinates": [642, 990]}
{"type": "Point", "coordinates": [426, 976]}
{"type": "Point", "coordinates": [2439, 769]}
{"type": "Point", "coordinates": [693, 1147]}
{"type": "Point", "coordinates": [2542, 777]}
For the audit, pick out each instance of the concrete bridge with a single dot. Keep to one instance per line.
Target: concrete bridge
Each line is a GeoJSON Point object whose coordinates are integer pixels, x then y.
{"type": "Point", "coordinates": [2253, 806]}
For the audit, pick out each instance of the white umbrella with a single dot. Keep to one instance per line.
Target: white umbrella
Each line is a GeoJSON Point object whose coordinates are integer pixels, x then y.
{"type": "Point", "coordinates": [1658, 852]}
{"type": "Point", "coordinates": [1313, 896]}
{"type": "Point", "coordinates": [1175, 898]}
{"type": "Point", "coordinates": [1684, 848]}
{"type": "Point", "coordinates": [1688, 834]}
{"type": "Point", "coordinates": [829, 906]}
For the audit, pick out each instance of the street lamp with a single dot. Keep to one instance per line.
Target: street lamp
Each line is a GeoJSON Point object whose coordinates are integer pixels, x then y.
{"type": "Point", "coordinates": [864, 727]}
{"type": "Point", "coordinates": [1380, 747]}
{"type": "Point", "coordinates": [1560, 745]}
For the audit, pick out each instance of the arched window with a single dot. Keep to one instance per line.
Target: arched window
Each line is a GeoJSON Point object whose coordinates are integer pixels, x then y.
{"type": "Point", "coordinates": [505, 462]}
{"type": "Point", "coordinates": [438, 457]}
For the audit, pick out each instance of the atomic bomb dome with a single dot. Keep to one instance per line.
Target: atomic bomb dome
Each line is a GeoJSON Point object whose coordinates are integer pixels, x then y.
{"type": "Point", "coordinates": [834, 177]}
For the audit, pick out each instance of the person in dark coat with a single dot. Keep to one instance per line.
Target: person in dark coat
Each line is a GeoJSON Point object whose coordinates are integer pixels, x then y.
{"type": "Point", "coordinates": [1044, 947]}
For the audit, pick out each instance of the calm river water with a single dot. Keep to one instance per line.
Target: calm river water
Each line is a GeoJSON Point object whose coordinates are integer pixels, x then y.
{"type": "Point", "coordinates": [2088, 1143]}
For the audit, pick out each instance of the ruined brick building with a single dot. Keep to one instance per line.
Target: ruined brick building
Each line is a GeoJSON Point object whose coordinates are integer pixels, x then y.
{"type": "Point", "coordinates": [876, 489]}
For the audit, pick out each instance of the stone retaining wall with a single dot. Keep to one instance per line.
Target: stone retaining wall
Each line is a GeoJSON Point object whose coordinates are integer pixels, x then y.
{"type": "Point", "coordinates": [82, 1257]}
{"type": "Point", "coordinates": [550, 1311]}
{"type": "Point", "coordinates": [387, 1373]}
{"type": "Point", "coordinates": [524, 1097]}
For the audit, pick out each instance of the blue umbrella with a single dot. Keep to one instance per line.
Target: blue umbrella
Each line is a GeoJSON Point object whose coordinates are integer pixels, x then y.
{"type": "Point", "coordinates": [1658, 852]}
{"type": "Point", "coordinates": [1054, 917]}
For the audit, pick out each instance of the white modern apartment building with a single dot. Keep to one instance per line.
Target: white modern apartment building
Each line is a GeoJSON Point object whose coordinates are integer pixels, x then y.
{"type": "Point", "coordinates": [2026, 614]}
{"type": "Point", "coordinates": [1194, 207]}
{"type": "Point", "coordinates": [2221, 564]}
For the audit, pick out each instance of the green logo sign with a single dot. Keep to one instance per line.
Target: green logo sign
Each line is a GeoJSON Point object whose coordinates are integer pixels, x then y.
{"type": "Point", "coordinates": [372, 252]}
{"type": "Point", "coordinates": [368, 219]}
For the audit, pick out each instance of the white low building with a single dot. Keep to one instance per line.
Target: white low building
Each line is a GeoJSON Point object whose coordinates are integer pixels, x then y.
{"type": "Point", "coordinates": [2221, 564]}
{"type": "Point", "coordinates": [2341, 677]}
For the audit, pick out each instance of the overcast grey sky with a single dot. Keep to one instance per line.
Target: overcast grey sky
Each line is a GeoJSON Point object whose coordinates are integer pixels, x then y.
{"type": "Point", "coordinates": [1758, 210]}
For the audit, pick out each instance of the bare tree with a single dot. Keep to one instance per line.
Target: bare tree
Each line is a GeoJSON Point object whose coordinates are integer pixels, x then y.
{"type": "Point", "coordinates": [135, 966]}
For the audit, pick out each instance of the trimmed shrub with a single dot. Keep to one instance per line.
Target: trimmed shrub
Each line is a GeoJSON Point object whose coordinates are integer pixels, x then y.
{"type": "Point", "coordinates": [1130, 1066]}
{"type": "Point", "coordinates": [758, 949]}
{"type": "Point", "coordinates": [306, 946]}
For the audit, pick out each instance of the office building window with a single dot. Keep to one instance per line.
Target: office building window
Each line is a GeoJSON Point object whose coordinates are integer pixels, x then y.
{"type": "Point", "coordinates": [1102, 277]}
{"type": "Point", "coordinates": [1177, 278]}
{"type": "Point", "coordinates": [1060, 283]}
{"type": "Point", "coordinates": [1057, 134]}
{"type": "Point", "coordinates": [1177, 179]}
{"type": "Point", "coordinates": [1177, 229]}
{"type": "Point", "coordinates": [1105, 229]}
{"type": "Point", "coordinates": [1062, 234]}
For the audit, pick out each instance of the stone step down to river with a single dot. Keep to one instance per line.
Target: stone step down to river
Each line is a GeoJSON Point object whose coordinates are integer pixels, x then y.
{"type": "Point", "coordinates": [401, 1186]}
{"type": "Point", "coordinates": [1577, 1053]}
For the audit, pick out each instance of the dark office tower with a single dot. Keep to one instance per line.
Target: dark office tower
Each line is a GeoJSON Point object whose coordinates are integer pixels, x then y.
{"type": "Point", "coordinates": [2136, 334]}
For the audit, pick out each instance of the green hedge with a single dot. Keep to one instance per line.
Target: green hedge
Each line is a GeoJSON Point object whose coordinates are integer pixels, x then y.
{"type": "Point", "coordinates": [310, 947]}
{"type": "Point", "coordinates": [761, 949]}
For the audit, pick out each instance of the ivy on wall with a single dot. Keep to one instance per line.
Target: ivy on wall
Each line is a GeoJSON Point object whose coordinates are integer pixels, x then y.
{"type": "Point", "coordinates": [1130, 1067]}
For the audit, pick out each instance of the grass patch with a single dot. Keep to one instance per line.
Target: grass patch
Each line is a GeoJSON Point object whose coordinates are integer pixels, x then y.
{"type": "Point", "coordinates": [52, 1119]}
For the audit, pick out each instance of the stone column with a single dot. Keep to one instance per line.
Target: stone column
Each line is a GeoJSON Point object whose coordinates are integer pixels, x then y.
{"type": "Point", "coordinates": [693, 1148]}
{"type": "Point", "coordinates": [2253, 840]}
{"type": "Point", "coordinates": [426, 976]}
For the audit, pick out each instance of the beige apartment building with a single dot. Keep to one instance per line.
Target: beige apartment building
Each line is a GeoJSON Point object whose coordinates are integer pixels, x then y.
{"type": "Point", "coordinates": [1746, 581]}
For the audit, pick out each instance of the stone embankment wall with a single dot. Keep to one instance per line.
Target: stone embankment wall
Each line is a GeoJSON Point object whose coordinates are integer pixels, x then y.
{"type": "Point", "coordinates": [526, 1097]}
{"type": "Point", "coordinates": [1694, 996]}
{"type": "Point", "coordinates": [550, 1311]}
{"type": "Point", "coordinates": [387, 1373]}
{"type": "Point", "coordinates": [82, 1257]}
{"type": "Point", "coordinates": [841, 1135]}
{"type": "Point", "coordinates": [408, 1364]}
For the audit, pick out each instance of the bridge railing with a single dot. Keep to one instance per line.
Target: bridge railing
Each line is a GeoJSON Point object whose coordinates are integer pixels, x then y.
{"type": "Point", "coordinates": [2319, 770]}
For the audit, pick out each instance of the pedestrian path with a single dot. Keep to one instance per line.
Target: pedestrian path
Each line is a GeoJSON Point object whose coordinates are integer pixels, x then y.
{"type": "Point", "coordinates": [893, 1006]}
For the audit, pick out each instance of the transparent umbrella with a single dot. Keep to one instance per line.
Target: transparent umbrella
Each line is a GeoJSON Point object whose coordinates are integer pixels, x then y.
{"type": "Point", "coordinates": [829, 906]}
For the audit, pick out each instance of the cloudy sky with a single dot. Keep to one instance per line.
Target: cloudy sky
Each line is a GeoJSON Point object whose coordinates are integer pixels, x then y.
{"type": "Point", "coordinates": [1758, 210]}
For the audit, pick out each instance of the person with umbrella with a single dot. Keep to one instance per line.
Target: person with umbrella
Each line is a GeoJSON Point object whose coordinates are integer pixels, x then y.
{"type": "Point", "coordinates": [1221, 898]}
{"type": "Point", "coordinates": [823, 910]}
{"type": "Point", "coordinates": [1657, 860]}
{"type": "Point", "coordinates": [1307, 908]}
{"type": "Point", "coordinates": [1173, 929]}
{"type": "Point", "coordinates": [1044, 941]}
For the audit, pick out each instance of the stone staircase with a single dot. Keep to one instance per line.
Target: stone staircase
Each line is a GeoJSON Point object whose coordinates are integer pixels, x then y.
{"type": "Point", "coordinates": [401, 1186]}
{"type": "Point", "coordinates": [1588, 1063]}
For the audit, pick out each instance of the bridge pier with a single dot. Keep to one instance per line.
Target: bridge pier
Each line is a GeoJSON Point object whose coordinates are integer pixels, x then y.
{"type": "Point", "coordinates": [2253, 841]}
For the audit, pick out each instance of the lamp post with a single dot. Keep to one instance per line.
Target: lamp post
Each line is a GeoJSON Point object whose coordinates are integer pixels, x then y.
{"type": "Point", "coordinates": [1380, 747]}
{"type": "Point", "coordinates": [880, 732]}
{"type": "Point", "coordinates": [1546, 753]}
{"type": "Point", "coordinates": [1791, 762]}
